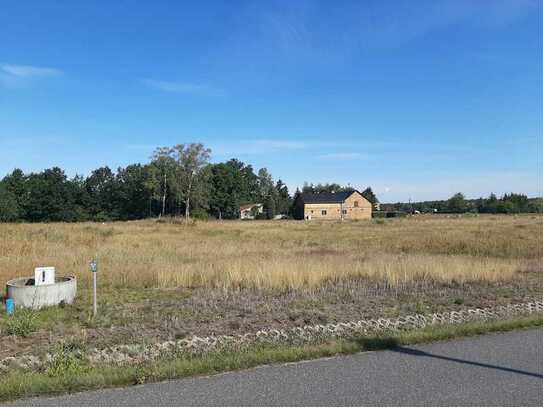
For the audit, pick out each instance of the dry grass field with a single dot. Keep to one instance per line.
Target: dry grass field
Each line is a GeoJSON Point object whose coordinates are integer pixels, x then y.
{"type": "Point", "coordinates": [160, 280]}
{"type": "Point", "coordinates": [283, 255]}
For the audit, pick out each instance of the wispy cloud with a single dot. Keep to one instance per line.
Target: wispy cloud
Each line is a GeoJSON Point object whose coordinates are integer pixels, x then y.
{"type": "Point", "coordinates": [21, 75]}
{"type": "Point", "coordinates": [183, 87]}
{"type": "Point", "coordinates": [294, 30]}
{"type": "Point", "coordinates": [342, 156]}
{"type": "Point", "coordinates": [28, 71]}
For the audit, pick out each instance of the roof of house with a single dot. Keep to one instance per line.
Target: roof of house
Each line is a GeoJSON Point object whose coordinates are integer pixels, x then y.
{"type": "Point", "coordinates": [326, 197]}
{"type": "Point", "coordinates": [249, 206]}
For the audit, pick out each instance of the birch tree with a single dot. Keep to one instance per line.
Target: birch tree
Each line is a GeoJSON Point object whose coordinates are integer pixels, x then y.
{"type": "Point", "coordinates": [164, 164]}
{"type": "Point", "coordinates": [190, 160]}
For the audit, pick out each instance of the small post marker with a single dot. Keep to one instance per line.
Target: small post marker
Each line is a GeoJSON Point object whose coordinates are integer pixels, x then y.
{"type": "Point", "coordinates": [94, 270]}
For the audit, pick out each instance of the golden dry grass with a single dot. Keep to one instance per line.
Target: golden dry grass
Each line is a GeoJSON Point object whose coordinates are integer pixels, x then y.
{"type": "Point", "coordinates": [279, 254]}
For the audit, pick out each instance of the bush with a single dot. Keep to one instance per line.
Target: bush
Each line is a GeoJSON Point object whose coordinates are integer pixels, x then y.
{"type": "Point", "coordinates": [23, 323]}
{"type": "Point", "coordinates": [200, 214]}
{"type": "Point", "coordinates": [388, 214]}
{"type": "Point", "coordinates": [102, 217]}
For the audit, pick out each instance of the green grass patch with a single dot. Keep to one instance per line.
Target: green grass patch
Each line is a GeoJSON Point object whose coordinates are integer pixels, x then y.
{"type": "Point", "coordinates": [69, 375]}
{"type": "Point", "coordinates": [23, 322]}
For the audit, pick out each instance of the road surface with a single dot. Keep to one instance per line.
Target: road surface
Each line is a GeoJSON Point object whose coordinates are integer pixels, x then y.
{"type": "Point", "coordinates": [493, 370]}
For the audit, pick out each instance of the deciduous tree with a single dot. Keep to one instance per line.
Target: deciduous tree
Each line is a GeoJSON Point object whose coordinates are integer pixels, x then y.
{"type": "Point", "coordinates": [370, 196]}
{"type": "Point", "coordinates": [9, 209]}
{"type": "Point", "coordinates": [190, 161]}
{"type": "Point", "coordinates": [162, 170]}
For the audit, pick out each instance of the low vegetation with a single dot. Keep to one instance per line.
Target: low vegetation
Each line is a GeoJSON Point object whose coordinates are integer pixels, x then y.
{"type": "Point", "coordinates": [24, 322]}
{"type": "Point", "coordinates": [280, 255]}
{"type": "Point", "coordinates": [168, 279]}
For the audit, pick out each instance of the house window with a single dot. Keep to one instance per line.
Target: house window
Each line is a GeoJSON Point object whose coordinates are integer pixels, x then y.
{"type": "Point", "coordinates": [323, 212]}
{"type": "Point", "coordinates": [356, 204]}
{"type": "Point", "coordinates": [344, 211]}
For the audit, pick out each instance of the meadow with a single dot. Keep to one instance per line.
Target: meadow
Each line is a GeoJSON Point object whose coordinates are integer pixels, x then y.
{"type": "Point", "coordinates": [166, 279]}
{"type": "Point", "coordinates": [279, 255]}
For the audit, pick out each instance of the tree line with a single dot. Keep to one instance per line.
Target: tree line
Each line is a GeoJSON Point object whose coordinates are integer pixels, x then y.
{"type": "Point", "coordinates": [508, 203]}
{"type": "Point", "coordinates": [178, 180]}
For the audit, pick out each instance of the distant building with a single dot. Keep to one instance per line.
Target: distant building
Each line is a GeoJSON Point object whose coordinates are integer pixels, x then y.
{"type": "Point", "coordinates": [250, 211]}
{"type": "Point", "coordinates": [333, 206]}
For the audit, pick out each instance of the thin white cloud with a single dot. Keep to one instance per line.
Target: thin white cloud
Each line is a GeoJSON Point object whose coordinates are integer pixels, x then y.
{"type": "Point", "coordinates": [294, 30]}
{"type": "Point", "coordinates": [183, 87]}
{"type": "Point", "coordinates": [342, 156]}
{"type": "Point", "coordinates": [28, 71]}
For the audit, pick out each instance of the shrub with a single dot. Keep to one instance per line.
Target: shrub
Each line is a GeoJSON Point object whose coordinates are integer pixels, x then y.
{"type": "Point", "coordinates": [23, 322]}
{"type": "Point", "coordinates": [200, 214]}
{"type": "Point", "coordinates": [396, 214]}
{"type": "Point", "coordinates": [102, 217]}
{"type": "Point", "coordinates": [388, 214]}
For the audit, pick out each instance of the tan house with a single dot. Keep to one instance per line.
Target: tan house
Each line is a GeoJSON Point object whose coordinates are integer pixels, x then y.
{"type": "Point", "coordinates": [333, 206]}
{"type": "Point", "coordinates": [250, 211]}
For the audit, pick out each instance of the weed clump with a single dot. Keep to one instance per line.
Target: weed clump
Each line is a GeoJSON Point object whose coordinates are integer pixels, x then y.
{"type": "Point", "coordinates": [23, 323]}
{"type": "Point", "coordinates": [67, 359]}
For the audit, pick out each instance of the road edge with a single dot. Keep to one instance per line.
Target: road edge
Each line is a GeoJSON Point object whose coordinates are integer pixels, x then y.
{"type": "Point", "coordinates": [17, 385]}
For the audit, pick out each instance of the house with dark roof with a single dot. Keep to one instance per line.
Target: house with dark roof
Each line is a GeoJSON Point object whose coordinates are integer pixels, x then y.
{"type": "Point", "coordinates": [333, 206]}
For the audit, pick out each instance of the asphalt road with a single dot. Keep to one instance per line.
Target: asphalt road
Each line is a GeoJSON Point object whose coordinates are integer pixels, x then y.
{"type": "Point", "coordinates": [493, 370]}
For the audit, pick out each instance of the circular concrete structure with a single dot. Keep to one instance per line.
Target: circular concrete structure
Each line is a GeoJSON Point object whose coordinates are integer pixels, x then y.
{"type": "Point", "coordinates": [26, 294]}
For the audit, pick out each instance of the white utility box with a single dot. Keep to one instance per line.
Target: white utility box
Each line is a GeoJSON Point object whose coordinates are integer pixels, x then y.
{"type": "Point", "coordinates": [44, 275]}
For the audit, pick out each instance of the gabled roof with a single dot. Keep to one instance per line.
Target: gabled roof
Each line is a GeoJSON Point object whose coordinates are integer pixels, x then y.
{"type": "Point", "coordinates": [326, 197]}
{"type": "Point", "coordinates": [249, 206]}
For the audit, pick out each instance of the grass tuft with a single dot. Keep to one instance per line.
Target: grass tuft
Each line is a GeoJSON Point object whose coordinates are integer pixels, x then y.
{"type": "Point", "coordinates": [67, 360]}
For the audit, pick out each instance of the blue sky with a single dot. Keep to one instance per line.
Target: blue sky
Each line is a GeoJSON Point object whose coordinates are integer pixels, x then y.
{"type": "Point", "coordinates": [419, 99]}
